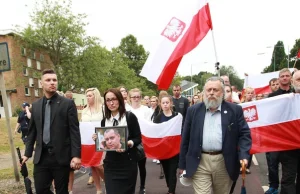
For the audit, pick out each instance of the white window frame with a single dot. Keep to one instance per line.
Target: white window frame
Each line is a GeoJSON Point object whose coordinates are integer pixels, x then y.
{"type": "Point", "coordinates": [29, 64]}
{"type": "Point", "coordinates": [39, 83]}
{"type": "Point", "coordinates": [31, 82]}
{"type": "Point", "coordinates": [38, 65]}
{"type": "Point", "coordinates": [26, 71]}
{"type": "Point", "coordinates": [28, 91]}
{"type": "Point", "coordinates": [42, 57]}
{"type": "Point", "coordinates": [23, 51]}
{"type": "Point", "coordinates": [36, 92]}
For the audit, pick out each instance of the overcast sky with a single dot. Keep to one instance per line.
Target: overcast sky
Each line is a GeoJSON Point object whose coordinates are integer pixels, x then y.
{"type": "Point", "coordinates": [242, 28]}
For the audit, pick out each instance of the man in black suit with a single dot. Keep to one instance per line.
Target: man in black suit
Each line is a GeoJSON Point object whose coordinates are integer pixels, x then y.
{"type": "Point", "coordinates": [215, 140]}
{"type": "Point", "coordinates": [54, 128]}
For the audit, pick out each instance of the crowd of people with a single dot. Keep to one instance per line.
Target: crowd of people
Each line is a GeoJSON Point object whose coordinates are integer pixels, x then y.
{"type": "Point", "coordinates": [213, 127]}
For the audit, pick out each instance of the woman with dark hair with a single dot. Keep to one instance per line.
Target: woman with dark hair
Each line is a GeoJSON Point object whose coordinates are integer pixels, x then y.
{"type": "Point", "coordinates": [120, 167]}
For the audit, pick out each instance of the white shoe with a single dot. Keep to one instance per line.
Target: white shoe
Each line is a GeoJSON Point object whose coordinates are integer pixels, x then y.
{"type": "Point", "coordinates": [70, 192]}
{"type": "Point", "coordinates": [157, 162]}
{"type": "Point", "coordinates": [154, 160]}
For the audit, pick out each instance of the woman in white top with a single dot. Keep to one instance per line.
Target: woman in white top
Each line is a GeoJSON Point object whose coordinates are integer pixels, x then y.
{"type": "Point", "coordinates": [124, 93]}
{"type": "Point", "coordinates": [143, 112]}
{"type": "Point", "coordinates": [94, 112]}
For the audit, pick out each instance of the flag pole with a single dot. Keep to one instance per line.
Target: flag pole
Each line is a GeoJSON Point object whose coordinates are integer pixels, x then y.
{"type": "Point", "coordinates": [217, 63]}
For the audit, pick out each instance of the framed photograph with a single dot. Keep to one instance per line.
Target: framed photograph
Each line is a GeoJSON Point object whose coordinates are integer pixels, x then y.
{"type": "Point", "coordinates": [111, 138]}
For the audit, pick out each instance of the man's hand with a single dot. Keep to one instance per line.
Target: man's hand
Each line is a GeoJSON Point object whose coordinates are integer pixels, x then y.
{"type": "Point", "coordinates": [245, 162]}
{"type": "Point", "coordinates": [24, 159]}
{"type": "Point", "coordinates": [120, 150]}
{"type": "Point", "coordinates": [94, 136]}
{"type": "Point", "coordinates": [75, 163]}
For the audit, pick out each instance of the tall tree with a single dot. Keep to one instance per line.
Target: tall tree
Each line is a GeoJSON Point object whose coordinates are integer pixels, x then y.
{"type": "Point", "coordinates": [279, 58]}
{"type": "Point", "coordinates": [233, 76]}
{"type": "Point", "coordinates": [293, 54]}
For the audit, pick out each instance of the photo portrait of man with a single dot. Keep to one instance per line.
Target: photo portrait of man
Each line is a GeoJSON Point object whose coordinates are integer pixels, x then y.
{"type": "Point", "coordinates": [112, 140]}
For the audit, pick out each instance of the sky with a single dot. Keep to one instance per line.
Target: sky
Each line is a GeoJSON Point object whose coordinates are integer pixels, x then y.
{"type": "Point", "coordinates": [242, 28]}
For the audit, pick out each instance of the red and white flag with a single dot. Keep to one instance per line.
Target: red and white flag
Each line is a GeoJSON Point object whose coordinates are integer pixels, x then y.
{"type": "Point", "coordinates": [298, 55]}
{"type": "Point", "coordinates": [89, 156]}
{"type": "Point", "coordinates": [260, 82]}
{"type": "Point", "coordinates": [274, 123]}
{"type": "Point", "coordinates": [181, 35]}
{"type": "Point", "coordinates": [161, 141]}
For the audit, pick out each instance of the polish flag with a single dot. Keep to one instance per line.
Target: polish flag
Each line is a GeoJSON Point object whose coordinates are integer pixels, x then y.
{"type": "Point", "coordinates": [298, 55]}
{"type": "Point", "coordinates": [260, 82]}
{"type": "Point", "coordinates": [274, 123]}
{"type": "Point", "coordinates": [181, 35]}
{"type": "Point", "coordinates": [161, 141]}
{"type": "Point", "coordinates": [89, 156]}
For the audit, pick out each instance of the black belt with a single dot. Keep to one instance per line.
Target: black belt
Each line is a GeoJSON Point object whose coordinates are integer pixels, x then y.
{"type": "Point", "coordinates": [212, 153]}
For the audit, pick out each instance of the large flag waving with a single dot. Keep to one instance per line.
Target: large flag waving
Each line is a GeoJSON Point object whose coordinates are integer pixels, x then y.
{"type": "Point", "coordinates": [181, 35]}
{"type": "Point", "coordinates": [274, 123]}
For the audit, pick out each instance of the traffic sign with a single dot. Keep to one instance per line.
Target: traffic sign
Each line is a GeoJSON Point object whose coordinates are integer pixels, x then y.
{"type": "Point", "coordinates": [4, 57]}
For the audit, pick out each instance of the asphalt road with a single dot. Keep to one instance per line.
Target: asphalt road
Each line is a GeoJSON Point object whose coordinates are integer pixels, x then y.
{"type": "Point", "coordinates": [154, 185]}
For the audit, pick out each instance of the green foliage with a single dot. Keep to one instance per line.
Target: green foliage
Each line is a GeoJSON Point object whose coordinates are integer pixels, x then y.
{"type": "Point", "coordinates": [293, 54]}
{"type": "Point", "coordinates": [279, 58]}
{"type": "Point", "coordinates": [233, 76]}
{"type": "Point", "coordinates": [17, 111]}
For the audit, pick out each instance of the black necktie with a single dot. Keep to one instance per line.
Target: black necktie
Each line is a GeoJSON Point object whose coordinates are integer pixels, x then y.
{"type": "Point", "coordinates": [46, 131]}
{"type": "Point", "coordinates": [116, 123]}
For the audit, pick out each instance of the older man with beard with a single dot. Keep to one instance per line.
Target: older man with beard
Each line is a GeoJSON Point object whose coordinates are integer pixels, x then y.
{"type": "Point", "coordinates": [215, 140]}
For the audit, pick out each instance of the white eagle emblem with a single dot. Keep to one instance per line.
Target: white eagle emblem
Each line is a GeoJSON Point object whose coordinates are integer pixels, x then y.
{"type": "Point", "coordinates": [250, 113]}
{"type": "Point", "coordinates": [174, 29]}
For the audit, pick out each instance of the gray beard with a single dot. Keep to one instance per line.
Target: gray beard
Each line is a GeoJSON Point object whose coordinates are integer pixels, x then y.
{"type": "Point", "coordinates": [212, 103]}
{"type": "Point", "coordinates": [297, 89]}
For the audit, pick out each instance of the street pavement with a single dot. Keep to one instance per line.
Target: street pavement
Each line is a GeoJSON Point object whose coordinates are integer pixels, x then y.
{"type": "Point", "coordinates": [154, 185]}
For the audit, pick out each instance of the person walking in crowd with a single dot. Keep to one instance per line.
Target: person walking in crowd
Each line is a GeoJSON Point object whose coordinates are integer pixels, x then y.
{"type": "Point", "coordinates": [54, 130]}
{"type": "Point", "coordinates": [181, 103]}
{"type": "Point", "coordinates": [154, 107]}
{"type": "Point", "coordinates": [124, 92]}
{"type": "Point", "coordinates": [195, 99]}
{"type": "Point", "coordinates": [169, 165]}
{"type": "Point", "coordinates": [94, 112]}
{"type": "Point", "coordinates": [147, 101]}
{"type": "Point", "coordinates": [235, 95]}
{"type": "Point", "coordinates": [288, 158]}
{"type": "Point", "coordinates": [274, 84]}
{"type": "Point", "coordinates": [228, 93]}
{"type": "Point", "coordinates": [142, 112]}
{"type": "Point", "coordinates": [212, 132]}
{"type": "Point", "coordinates": [120, 167]}
{"type": "Point", "coordinates": [23, 122]}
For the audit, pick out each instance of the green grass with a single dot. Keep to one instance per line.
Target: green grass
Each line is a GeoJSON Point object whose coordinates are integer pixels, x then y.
{"type": "Point", "coordinates": [8, 173]}
{"type": "Point", "coordinates": [4, 140]}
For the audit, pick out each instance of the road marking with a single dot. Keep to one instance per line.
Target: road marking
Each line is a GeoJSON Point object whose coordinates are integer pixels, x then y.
{"type": "Point", "coordinates": [254, 160]}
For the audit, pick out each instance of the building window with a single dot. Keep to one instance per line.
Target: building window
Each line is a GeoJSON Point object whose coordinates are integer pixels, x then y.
{"type": "Point", "coordinates": [31, 83]}
{"type": "Point", "coordinates": [36, 92]}
{"type": "Point", "coordinates": [32, 54]}
{"type": "Point", "coordinates": [39, 81]}
{"type": "Point", "coordinates": [25, 71]}
{"type": "Point", "coordinates": [27, 91]}
{"type": "Point", "coordinates": [23, 51]}
{"type": "Point", "coordinates": [29, 62]}
{"type": "Point", "coordinates": [38, 65]}
{"type": "Point", "coordinates": [42, 58]}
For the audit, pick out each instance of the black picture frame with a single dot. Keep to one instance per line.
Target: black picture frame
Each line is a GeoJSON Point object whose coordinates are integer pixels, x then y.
{"type": "Point", "coordinates": [113, 133]}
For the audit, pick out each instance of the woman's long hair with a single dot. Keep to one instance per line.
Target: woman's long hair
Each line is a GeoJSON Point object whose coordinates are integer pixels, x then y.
{"type": "Point", "coordinates": [120, 98]}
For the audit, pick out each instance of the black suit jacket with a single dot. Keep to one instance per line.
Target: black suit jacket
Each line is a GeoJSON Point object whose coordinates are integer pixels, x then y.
{"type": "Point", "coordinates": [64, 131]}
{"type": "Point", "coordinates": [235, 134]}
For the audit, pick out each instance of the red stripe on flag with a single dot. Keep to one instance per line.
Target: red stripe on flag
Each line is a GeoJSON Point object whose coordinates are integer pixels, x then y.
{"type": "Point", "coordinates": [89, 156]}
{"type": "Point", "coordinates": [161, 148]}
{"type": "Point", "coordinates": [298, 55]}
{"type": "Point", "coordinates": [200, 25]}
{"type": "Point", "coordinates": [277, 137]}
{"type": "Point", "coordinates": [262, 90]}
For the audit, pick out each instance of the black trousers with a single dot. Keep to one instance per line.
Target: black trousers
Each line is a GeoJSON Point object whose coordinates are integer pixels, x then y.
{"type": "Point", "coordinates": [289, 162]}
{"type": "Point", "coordinates": [143, 172]}
{"type": "Point", "coordinates": [47, 170]}
{"type": "Point", "coordinates": [298, 175]}
{"type": "Point", "coordinates": [170, 169]}
{"type": "Point", "coordinates": [273, 162]}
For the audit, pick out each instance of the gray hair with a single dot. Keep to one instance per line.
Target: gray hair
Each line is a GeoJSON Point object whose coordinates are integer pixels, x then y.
{"type": "Point", "coordinates": [213, 79]}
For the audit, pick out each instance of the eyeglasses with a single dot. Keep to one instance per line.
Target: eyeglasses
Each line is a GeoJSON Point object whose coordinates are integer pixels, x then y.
{"type": "Point", "coordinates": [123, 91]}
{"type": "Point", "coordinates": [110, 100]}
{"type": "Point", "coordinates": [137, 97]}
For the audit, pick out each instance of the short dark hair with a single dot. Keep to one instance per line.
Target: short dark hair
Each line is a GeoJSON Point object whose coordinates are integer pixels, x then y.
{"type": "Point", "coordinates": [120, 98]}
{"type": "Point", "coordinates": [272, 80]}
{"type": "Point", "coordinates": [176, 86]}
{"type": "Point", "coordinates": [48, 71]}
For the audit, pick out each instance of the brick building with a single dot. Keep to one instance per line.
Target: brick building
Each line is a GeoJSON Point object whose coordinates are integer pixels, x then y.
{"type": "Point", "coordinates": [23, 81]}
